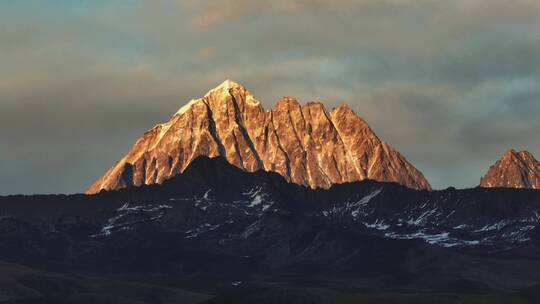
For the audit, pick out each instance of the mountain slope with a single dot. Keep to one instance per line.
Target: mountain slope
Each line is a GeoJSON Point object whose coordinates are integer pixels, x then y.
{"type": "Point", "coordinates": [306, 144]}
{"type": "Point", "coordinates": [22, 285]}
{"type": "Point", "coordinates": [513, 170]}
{"type": "Point", "coordinates": [216, 226]}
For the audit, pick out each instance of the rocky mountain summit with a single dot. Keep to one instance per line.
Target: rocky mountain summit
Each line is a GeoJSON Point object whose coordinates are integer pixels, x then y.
{"type": "Point", "coordinates": [513, 170]}
{"type": "Point", "coordinates": [306, 144]}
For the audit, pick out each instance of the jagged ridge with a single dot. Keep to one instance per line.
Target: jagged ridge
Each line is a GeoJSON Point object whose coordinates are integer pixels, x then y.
{"type": "Point", "coordinates": [305, 144]}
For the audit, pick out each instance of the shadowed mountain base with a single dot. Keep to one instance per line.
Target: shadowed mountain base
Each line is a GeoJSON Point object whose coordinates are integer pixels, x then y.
{"type": "Point", "coordinates": [216, 228]}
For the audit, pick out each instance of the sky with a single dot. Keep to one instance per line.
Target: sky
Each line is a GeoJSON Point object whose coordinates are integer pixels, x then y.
{"type": "Point", "coordinates": [451, 84]}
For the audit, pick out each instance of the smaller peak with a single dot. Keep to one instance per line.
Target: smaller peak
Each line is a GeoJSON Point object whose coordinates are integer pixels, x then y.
{"type": "Point", "coordinates": [527, 157]}
{"type": "Point", "coordinates": [525, 153]}
{"type": "Point", "coordinates": [515, 169]}
{"type": "Point", "coordinates": [286, 101]}
{"type": "Point", "coordinates": [344, 110]}
{"type": "Point", "coordinates": [343, 107]}
{"type": "Point", "coordinates": [519, 155]}
{"type": "Point", "coordinates": [510, 152]}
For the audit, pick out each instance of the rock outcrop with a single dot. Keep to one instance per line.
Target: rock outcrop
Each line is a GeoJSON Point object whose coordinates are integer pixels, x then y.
{"type": "Point", "coordinates": [305, 144]}
{"type": "Point", "coordinates": [513, 170]}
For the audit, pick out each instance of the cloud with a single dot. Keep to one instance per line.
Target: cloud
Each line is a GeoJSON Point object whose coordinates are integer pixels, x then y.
{"type": "Point", "coordinates": [214, 13]}
{"type": "Point", "coordinates": [451, 84]}
{"type": "Point", "coordinates": [211, 13]}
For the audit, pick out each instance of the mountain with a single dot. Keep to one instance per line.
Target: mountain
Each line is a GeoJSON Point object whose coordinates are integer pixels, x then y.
{"type": "Point", "coordinates": [513, 170]}
{"type": "Point", "coordinates": [217, 227]}
{"type": "Point", "coordinates": [307, 145]}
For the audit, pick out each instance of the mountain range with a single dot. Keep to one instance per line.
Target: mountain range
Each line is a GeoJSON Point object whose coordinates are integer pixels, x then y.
{"type": "Point", "coordinates": [216, 228]}
{"type": "Point", "coordinates": [229, 203]}
{"type": "Point", "coordinates": [306, 144]}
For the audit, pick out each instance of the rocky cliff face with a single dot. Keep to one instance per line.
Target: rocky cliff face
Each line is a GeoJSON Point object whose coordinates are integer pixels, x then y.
{"type": "Point", "coordinates": [513, 170]}
{"type": "Point", "coordinates": [305, 144]}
